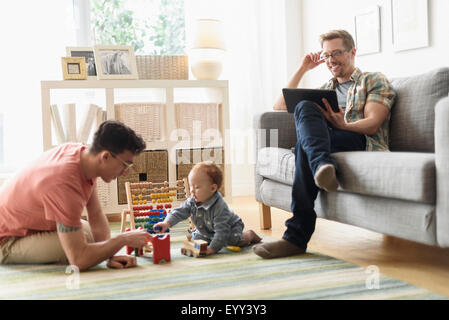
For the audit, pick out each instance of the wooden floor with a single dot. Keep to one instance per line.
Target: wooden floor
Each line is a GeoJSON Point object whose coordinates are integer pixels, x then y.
{"type": "Point", "coordinates": [421, 265]}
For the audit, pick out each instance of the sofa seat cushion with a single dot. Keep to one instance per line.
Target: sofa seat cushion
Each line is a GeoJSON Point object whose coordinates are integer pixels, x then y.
{"type": "Point", "coordinates": [397, 175]}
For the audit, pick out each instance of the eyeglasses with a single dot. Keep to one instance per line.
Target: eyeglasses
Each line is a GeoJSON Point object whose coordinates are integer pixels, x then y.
{"type": "Point", "coordinates": [334, 54]}
{"type": "Point", "coordinates": [127, 165]}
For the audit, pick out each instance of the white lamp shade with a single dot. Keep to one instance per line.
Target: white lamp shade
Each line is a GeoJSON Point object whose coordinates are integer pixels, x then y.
{"type": "Point", "coordinates": [208, 35]}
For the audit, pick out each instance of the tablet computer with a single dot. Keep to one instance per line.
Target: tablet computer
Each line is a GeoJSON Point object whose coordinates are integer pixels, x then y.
{"type": "Point", "coordinates": [294, 96]}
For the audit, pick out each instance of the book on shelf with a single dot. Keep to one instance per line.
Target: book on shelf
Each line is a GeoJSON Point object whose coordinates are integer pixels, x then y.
{"type": "Point", "coordinates": [57, 124]}
{"type": "Point", "coordinates": [69, 121]}
{"type": "Point", "coordinates": [87, 123]}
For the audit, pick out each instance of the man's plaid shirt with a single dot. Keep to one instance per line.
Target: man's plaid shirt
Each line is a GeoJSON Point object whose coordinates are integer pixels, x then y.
{"type": "Point", "coordinates": [368, 86]}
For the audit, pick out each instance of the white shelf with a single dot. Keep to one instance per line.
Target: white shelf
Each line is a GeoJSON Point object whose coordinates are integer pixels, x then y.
{"type": "Point", "coordinates": [114, 84]}
{"type": "Point", "coordinates": [169, 88]}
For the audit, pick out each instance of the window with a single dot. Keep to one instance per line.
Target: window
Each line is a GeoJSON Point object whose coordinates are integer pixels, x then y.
{"type": "Point", "coordinates": [152, 27]}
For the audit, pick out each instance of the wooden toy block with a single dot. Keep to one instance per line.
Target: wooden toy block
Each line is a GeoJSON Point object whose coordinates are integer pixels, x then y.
{"type": "Point", "coordinates": [194, 248]}
{"type": "Point", "coordinates": [137, 252]}
{"type": "Point", "coordinates": [161, 248]}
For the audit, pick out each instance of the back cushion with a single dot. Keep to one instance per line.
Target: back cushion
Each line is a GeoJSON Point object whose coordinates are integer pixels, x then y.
{"type": "Point", "coordinates": [413, 115]}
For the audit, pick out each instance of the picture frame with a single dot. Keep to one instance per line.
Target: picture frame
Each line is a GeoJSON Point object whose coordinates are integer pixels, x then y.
{"type": "Point", "coordinates": [410, 24]}
{"type": "Point", "coordinates": [88, 54]}
{"type": "Point", "coordinates": [73, 68]}
{"type": "Point", "coordinates": [115, 62]}
{"type": "Point", "coordinates": [367, 31]}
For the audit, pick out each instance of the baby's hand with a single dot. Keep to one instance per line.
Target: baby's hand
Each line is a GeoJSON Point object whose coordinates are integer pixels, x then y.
{"type": "Point", "coordinates": [161, 227]}
{"type": "Point", "coordinates": [210, 251]}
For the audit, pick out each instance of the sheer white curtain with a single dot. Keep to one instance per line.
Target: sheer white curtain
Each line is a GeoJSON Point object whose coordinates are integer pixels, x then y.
{"type": "Point", "coordinates": [255, 65]}
{"type": "Point", "coordinates": [34, 35]}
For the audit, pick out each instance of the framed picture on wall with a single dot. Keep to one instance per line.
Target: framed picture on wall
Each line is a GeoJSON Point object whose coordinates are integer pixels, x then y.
{"type": "Point", "coordinates": [115, 62]}
{"type": "Point", "coordinates": [410, 24]}
{"type": "Point", "coordinates": [88, 54]}
{"type": "Point", "coordinates": [367, 31]}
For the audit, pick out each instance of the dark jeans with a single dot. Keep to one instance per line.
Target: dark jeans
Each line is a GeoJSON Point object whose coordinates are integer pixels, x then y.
{"type": "Point", "coordinates": [316, 141]}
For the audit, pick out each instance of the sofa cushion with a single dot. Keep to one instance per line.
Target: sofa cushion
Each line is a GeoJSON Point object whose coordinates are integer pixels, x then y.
{"type": "Point", "coordinates": [413, 115]}
{"type": "Point", "coordinates": [399, 175]}
{"type": "Point", "coordinates": [398, 218]}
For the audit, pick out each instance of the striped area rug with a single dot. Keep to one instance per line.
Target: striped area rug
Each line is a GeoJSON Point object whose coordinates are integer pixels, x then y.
{"type": "Point", "coordinates": [227, 275]}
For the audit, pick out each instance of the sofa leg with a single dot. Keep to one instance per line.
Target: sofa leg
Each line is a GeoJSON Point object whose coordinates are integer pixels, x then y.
{"type": "Point", "coordinates": [265, 216]}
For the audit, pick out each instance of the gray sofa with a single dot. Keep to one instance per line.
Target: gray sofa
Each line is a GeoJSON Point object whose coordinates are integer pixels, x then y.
{"type": "Point", "coordinates": [402, 193]}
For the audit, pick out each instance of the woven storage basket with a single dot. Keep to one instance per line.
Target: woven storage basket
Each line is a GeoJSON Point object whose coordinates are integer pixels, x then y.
{"type": "Point", "coordinates": [144, 118]}
{"type": "Point", "coordinates": [150, 165]}
{"type": "Point", "coordinates": [187, 158]}
{"type": "Point", "coordinates": [202, 115]}
{"type": "Point", "coordinates": [162, 67]}
{"type": "Point", "coordinates": [104, 193]}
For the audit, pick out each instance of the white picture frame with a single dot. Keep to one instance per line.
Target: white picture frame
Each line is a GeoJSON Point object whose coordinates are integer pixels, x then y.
{"type": "Point", "coordinates": [367, 31]}
{"type": "Point", "coordinates": [88, 54]}
{"type": "Point", "coordinates": [410, 24]}
{"type": "Point", "coordinates": [115, 62]}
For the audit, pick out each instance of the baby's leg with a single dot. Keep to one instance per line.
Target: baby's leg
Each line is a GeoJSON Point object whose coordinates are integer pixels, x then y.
{"type": "Point", "coordinates": [196, 235]}
{"type": "Point", "coordinates": [249, 237]}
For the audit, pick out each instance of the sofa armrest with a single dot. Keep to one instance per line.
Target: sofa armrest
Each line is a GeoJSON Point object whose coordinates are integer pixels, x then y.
{"type": "Point", "coordinates": [442, 171]}
{"type": "Point", "coordinates": [275, 129]}
{"type": "Point", "coordinates": [272, 129]}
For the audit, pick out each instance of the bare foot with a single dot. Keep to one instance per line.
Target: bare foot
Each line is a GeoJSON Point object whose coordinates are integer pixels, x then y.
{"type": "Point", "coordinates": [249, 237]}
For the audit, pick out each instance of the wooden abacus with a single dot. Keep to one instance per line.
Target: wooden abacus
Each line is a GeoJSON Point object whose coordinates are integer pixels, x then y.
{"type": "Point", "coordinates": [152, 200]}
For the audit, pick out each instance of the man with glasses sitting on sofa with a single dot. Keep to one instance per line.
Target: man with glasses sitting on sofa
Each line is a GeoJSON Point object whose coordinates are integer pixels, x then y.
{"type": "Point", "coordinates": [41, 207]}
{"type": "Point", "coordinates": [365, 100]}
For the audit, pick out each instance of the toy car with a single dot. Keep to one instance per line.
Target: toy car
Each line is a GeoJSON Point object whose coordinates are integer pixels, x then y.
{"type": "Point", "coordinates": [194, 248]}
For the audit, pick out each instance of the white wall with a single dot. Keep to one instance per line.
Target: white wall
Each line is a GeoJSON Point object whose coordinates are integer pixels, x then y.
{"type": "Point", "coordinates": [34, 35]}
{"type": "Point", "coordinates": [320, 16]}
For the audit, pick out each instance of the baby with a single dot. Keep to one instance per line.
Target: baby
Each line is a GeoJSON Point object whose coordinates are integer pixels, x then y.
{"type": "Point", "coordinates": [215, 222]}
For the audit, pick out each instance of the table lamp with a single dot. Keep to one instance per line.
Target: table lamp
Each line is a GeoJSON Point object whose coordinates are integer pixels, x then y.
{"type": "Point", "coordinates": [208, 48]}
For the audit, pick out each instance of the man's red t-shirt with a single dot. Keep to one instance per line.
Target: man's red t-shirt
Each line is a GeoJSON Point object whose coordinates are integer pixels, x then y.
{"type": "Point", "coordinates": [52, 189]}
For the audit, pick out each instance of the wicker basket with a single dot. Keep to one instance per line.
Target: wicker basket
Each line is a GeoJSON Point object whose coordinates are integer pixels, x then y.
{"type": "Point", "coordinates": [187, 158]}
{"type": "Point", "coordinates": [144, 118]}
{"type": "Point", "coordinates": [150, 165]}
{"type": "Point", "coordinates": [163, 67]}
{"type": "Point", "coordinates": [205, 115]}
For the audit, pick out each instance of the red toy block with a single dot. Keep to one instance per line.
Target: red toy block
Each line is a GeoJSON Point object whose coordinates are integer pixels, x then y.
{"type": "Point", "coordinates": [161, 248]}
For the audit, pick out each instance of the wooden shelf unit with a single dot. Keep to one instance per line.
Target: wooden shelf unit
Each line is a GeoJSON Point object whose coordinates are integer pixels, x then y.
{"type": "Point", "coordinates": [217, 88]}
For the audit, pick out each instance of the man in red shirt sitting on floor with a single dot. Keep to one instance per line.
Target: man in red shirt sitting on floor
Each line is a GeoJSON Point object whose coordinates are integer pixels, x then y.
{"type": "Point", "coordinates": [41, 207]}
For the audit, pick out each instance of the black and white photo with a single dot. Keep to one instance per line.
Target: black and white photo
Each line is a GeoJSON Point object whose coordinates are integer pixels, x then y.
{"type": "Point", "coordinates": [115, 62]}
{"type": "Point", "coordinates": [88, 54]}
